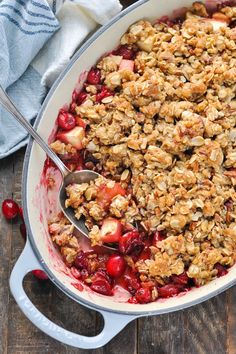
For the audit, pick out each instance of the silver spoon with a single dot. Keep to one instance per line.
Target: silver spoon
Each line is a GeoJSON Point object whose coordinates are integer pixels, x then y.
{"type": "Point", "coordinates": [69, 177]}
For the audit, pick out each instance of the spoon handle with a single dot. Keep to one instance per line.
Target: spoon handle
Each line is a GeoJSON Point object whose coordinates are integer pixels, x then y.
{"type": "Point", "coordinates": [10, 107]}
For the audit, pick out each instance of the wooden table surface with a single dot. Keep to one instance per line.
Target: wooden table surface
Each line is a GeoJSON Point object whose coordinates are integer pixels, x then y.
{"type": "Point", "coordinates": [206, 328]}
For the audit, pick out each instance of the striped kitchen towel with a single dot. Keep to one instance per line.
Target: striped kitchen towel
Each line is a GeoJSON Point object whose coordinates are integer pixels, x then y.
{"type": "Point", "coordinates": [38, 37]}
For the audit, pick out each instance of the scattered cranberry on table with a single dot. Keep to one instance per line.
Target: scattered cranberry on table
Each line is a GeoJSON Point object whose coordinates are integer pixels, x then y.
{"type": "Point", "coordinates": [40, 274]}
{"type": "Point", "coordinates": [10, 209]}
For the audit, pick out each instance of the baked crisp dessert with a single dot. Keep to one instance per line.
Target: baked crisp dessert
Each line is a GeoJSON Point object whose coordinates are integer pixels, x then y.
{"type": "Point", "coordinates": [156, 118]}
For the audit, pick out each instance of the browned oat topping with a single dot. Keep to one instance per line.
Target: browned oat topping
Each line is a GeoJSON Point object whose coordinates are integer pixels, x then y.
{"type": "Point", "coordinates": [168, 132]}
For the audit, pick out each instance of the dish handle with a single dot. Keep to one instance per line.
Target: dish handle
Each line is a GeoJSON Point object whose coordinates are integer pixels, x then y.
{"type": "Point", "coordinates": [113, 322]}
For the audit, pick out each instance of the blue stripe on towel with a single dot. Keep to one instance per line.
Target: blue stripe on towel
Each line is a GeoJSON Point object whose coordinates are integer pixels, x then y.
{"type": "Point", "coordinates": [42, 6]}
{"type": "Point", "coordinates": [12, 20]}
{"type": "Point", "coordinates": [34, 14]}
{"type": "Point", "coordinates": [24, 19]}
{"type": "Point", "coordinates": [54, 6]}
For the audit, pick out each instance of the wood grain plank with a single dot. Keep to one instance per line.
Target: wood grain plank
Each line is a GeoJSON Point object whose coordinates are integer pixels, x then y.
{"type": "Point", "coordinates": [199, 330]}
{"type": "Point", "coordinates": [124, 342]}
{"type": "Point", "coordinates": [23, 337]}
{"type": "Point", "coordinates": [207, 328]}
{"type": "Point", "coordinates": [161, 334]}
{"type": "Point", "coordinates": [231, 323]}
{"type": "Point", "coordinates": [6, 182]}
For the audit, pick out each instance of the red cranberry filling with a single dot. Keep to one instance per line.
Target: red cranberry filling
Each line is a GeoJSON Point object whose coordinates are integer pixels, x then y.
{"type": "Point", "coordinates": [115, 265]}
{"type": "Point", "coordinates": [66, 120]}
{"type": "Point", "coordinates": [221, 270]}
{"type": "Point", "coordinates": [126, 52]}
{"type": "Point", "coordinates": [81, 97]}
{"type": "Point", "coordinates": [143, 295]}
{"type": "Point", "coordinates": [131, 242]}
{"type": "Point", "coordinates": [105, 92]}
{"type": "Point", "coordinates": [181, 279]}
{"type": "Point", "coordinates": [101, 283]}
{"type": "Point", "coordinates": [94, 76]}
{"type": "Point", "coordinates": [169, 290]}
{"type": "Point", "coordinates": [131, 282]}
{"type": "Point", "coordinates": [81, 261]}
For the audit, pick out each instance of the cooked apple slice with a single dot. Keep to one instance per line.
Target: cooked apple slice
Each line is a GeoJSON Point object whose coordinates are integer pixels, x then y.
{"type": "Point", "coordinates": [111, 230]}
{"type": "Point", "coordinates": [216, 23]}
{"type": "Point", "coordinates": [74, 137]}
{"type": "Point", "coordinates": [126, 64]}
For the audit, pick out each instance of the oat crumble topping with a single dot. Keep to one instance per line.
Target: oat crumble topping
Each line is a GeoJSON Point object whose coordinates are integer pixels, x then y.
{"type": "Point", "coordinates": [165, 130]}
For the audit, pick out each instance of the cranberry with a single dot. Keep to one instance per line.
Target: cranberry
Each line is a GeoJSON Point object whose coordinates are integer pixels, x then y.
{"type": "Point", "coordinates": [143, 295]}
{"type": "Point", "coordinates": [169, 290]}
{"type": "Point", "coordinates": [81, 97]}
{"type": "Point", "coordinates": [23, 230]}
{"type": "Point", "coordinates": [131, 283]}
{"type": "Point", "coordinates": [101, 283]}
{"type": "Point", "coordinates": [101, 273]}
{"type": "Point", "coordinates": [66, 120]}
{"type": "Point", "coordinates": [10, 209]}
{"type": "Point", "coordinates": [94, 76]}
{"type": "Point", "coordinates": [115, 265]}
{"type": "Point", "coordinates": [181, 279]}
{"type": "Point", "coordinates": [105, 92]}
{"type": "Point", "coordinates": [102, 286]}
{"type": "Point", "coordinates": [131, 242]}
{"type": "Point", "coordinates": [40, 274]}
{"type": "Point", "coordinates": [81, 261]}
{"type": "Point", "coordinates": [133, 300]}
{"type": "Point", "coordinates": [126, 52]}
{"type": "Point", "coordinates": [221, 270]}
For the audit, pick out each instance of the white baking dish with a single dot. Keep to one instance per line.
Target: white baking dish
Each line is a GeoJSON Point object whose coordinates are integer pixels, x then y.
{"type": "Point", "coordinates": [39, 252]}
